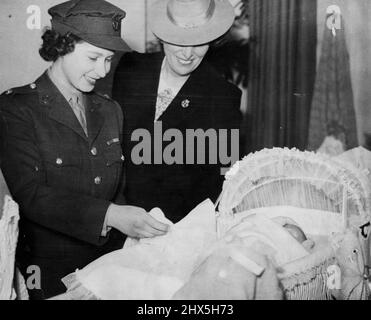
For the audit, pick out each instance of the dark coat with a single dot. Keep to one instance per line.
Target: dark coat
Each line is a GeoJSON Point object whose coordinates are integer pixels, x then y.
{"type": "Point", "coordinates": [205, 101]}
{"type": "Point", "coordinates": [62, 187]}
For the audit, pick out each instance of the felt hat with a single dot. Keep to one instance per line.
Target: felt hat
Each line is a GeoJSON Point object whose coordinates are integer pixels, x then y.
{"type": "Point", "coordinates": [190, 22]}
{"type": "Point", "coordinates": [95, 21]}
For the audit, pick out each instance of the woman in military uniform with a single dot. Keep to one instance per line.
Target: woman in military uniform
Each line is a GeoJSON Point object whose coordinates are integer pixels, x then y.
{"type": "Point", "coordinates": [61, 150]}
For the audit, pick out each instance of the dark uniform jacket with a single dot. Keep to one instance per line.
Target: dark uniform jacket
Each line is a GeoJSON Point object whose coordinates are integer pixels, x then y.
{"type": "Point", "coordinates": [62, 180]}
{"type": "Point", "coordinates": [205, 101]}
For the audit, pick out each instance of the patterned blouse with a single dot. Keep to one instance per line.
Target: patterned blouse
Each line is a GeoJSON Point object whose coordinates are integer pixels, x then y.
{"type": "Point", "coordinates": [166, 92]}
{"type": "Point", "coordinates": [164, 99]}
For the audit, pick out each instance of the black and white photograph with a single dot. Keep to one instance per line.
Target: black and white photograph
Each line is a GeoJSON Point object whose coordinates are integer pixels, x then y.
{"type": "Point", "coordinates": [177, 151]}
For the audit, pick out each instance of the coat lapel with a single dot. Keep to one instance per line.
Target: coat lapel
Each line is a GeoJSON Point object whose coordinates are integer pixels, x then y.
{"type": "Point", "coordinates": [189, 98]}
{"type": "Point", "coordinates": [152, 85]}
{"type": "Point", "coordinates": [57, 106]}
{"type": "Point", "coordinates": [142, 96]}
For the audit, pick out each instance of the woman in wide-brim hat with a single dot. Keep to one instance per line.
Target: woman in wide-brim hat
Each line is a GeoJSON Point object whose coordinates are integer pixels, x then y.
{"type": "Point", "coordinates": [62, 156]}
{"type": "Point", "coordinates": [176, 89]}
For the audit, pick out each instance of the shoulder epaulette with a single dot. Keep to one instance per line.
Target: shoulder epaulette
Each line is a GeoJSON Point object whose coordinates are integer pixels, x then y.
{"type": "Point", "coordinates": [29, 88]}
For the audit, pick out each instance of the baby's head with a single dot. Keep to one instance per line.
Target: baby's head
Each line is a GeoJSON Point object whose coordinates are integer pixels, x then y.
{"type": "Point", "coordinates": [295, 231]}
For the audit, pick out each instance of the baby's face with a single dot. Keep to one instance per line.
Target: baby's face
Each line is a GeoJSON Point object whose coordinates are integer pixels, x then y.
{"type": "Point", "coordinates": [296, 232]}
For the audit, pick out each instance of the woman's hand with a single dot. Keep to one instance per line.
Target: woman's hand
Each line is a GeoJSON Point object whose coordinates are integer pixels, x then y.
{"type": "Point", "coordinates": [134, 222]}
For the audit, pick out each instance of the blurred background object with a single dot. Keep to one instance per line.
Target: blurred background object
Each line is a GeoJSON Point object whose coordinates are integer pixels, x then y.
{"type": "Point", "coordinates": [332, 111]}
{"type": "Point", "coordinates": [283, 37]}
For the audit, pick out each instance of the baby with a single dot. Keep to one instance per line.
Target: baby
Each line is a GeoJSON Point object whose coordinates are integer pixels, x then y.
{"type": "Point", "coordinates": [296, 232]}
{"type": "Point", "coordinates": [299, 235]}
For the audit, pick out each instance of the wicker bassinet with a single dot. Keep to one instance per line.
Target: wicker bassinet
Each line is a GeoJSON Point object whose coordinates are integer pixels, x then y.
{"type": "Point", "coordinates": [277, 181]}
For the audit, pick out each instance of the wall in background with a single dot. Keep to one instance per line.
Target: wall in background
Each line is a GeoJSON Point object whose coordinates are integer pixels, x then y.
{"type": "Point", "coordinates": [20, 62]}
{"type": "Point", "coordinates": [358, 37]}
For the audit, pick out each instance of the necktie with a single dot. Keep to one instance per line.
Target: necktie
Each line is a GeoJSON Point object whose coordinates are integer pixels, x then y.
{"type": "Point", "coordinates": [79, 111]}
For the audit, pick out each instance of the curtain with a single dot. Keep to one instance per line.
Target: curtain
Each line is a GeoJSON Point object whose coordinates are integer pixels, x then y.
{"type": "Point", "coordinates": [281, 72]}
{"type": "Point", "coordinates": [332, 111]}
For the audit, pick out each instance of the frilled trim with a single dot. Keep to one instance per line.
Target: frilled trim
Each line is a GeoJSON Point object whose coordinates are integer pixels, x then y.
{"type": "Point", "coordinates": [76, 290]}
{"type": "Point", "coordinates": [262, 178]}
{"type": "Point", "coordinates": [8, 243]}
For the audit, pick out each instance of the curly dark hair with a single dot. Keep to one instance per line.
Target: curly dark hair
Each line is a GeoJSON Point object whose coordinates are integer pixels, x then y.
{"type": "Point", "coordinates": [56, 45]}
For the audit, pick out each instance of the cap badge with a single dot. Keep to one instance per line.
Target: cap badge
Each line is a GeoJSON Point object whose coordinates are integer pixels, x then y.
{"type": "Point", "coordinates": [116, 21]}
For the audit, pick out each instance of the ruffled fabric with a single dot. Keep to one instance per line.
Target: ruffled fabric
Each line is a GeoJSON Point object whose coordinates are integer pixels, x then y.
{"type": "Point", "coordinates": [76, 290]}
{"type": "Point", "coordinates": [289, 177]}
{"type": "Point", "coordinates": [170, 266]}
{"type": "Point", "coordinates": [8, 243]}
{"type": "Point", "coordinates": [153, 268]}
{"type": "Point", "coordinates": [324, 194]}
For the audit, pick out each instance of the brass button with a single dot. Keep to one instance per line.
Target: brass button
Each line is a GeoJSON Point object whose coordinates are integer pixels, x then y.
{"type": "Point", "coordinates": [59, 161]}
{"type": "Point", "coordinates": [97, 180]}
{"type": "Point", "coordinates": [32, 85]}
{"type": "Point", "coordinates": [122, 157]}
{"type": "Point", "coordinates": [94, 151]}
{"type": "Point", "coordinates": [9, 91]}
{"type": "Point", "coordinates": [36, 168]}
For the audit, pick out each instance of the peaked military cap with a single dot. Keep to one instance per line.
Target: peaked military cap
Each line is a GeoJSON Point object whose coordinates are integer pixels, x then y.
{"type": "Point", "coordinates": [95, 21]}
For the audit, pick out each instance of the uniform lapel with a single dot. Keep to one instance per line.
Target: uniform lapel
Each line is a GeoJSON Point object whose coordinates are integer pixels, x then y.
{"type": "Point", "coordinates": [57, 106]}
{"type": "Point", "coordinates": [94, 117]}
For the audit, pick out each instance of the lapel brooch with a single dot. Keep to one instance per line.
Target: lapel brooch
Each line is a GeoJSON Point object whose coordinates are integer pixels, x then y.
{"type": "Point", "coordinates": [185, 103]}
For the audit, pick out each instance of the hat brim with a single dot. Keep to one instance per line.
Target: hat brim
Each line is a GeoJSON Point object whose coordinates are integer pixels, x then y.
{"type": "Point", "coordinates": [107, 42]}
{"type": "Point", "coordinates": [166, 30]}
